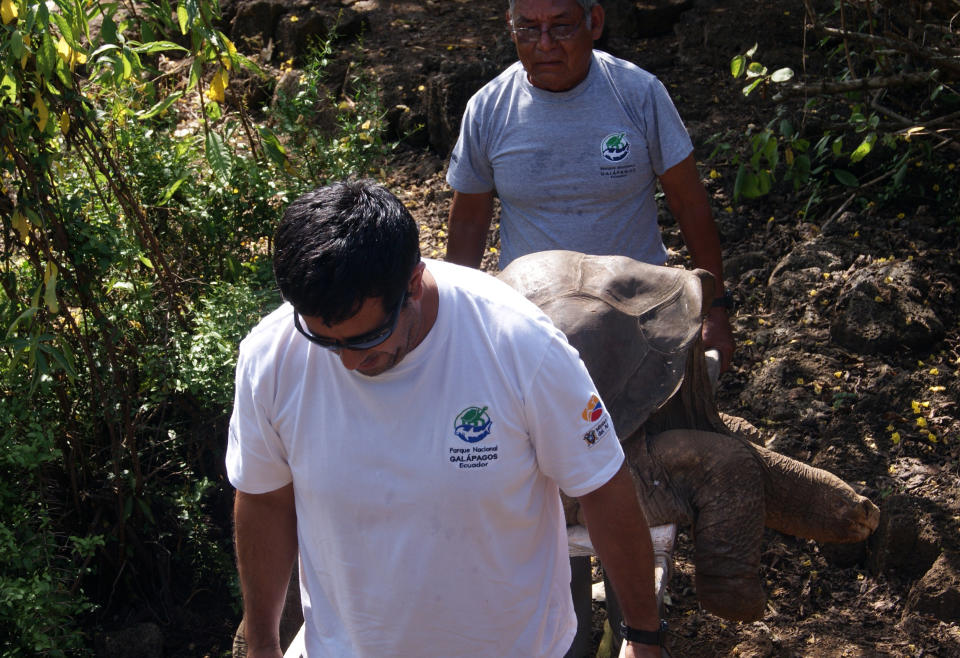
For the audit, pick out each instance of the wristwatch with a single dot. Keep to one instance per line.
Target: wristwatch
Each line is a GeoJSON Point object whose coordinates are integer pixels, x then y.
{"type": "Point", "coordinates": [725, 301]}
{"type": "Point", "coordinates": [644, 637]}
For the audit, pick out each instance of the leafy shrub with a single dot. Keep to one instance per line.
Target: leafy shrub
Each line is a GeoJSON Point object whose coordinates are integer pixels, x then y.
{"type": "Point", "coordinates": [135, 257]}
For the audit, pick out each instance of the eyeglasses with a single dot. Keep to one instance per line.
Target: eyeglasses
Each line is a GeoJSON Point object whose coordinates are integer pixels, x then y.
{"type": "Point", "coordinates": [533, 33]}
{"type": "Point", "coordinates": [362, 342]}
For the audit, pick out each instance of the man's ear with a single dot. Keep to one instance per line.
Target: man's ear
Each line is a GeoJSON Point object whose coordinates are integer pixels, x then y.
{"type": "Point", "coordinates": [415, 285]}
{"type": "Point", "coordinates": [597, 16]}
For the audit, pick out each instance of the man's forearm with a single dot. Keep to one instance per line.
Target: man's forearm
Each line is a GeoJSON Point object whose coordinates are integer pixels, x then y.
{"type": "Point", "coordinates": [266, 544]}
{"type": "Point", "coordinates": [470, 217]}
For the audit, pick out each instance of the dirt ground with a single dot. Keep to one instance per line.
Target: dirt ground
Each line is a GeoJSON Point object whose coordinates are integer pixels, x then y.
{"type": "Point", "coordinates": [884, 418]}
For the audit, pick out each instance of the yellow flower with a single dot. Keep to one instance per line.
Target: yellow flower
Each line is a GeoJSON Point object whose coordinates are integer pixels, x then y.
{"type": "Point", "coordinates": [915, 406]}
{"type": "Point", "coordinates": [714, 174]}
{"type": "Point", "coordinates": [921, 421]}
{"type": "Point", "coordinates": [838, 374]}
{"type": "Point", "coordinates": [799, 381]}
{"type": "Point", "coordinates": [41, 109]}
{"type": "Point", "coordinates": [895, 439]}
{"type": "Point", "coordinates": [934, 371]}
{"type": "Point", "coordinates": [938, 389]}
{"type": "Point", "coordinates": [69, 56]}
{"type": "Point", "coordinates": [900, 215]}
{"type": "Point", "coordinates": [931, 437]}
{"type": "Point", "coordinates": [9, 11]}
{"type": "Point", "coordinates": [218, 85]}
{"type": "Point", "coordinates": [294, 19]}
{"type": "Point", "coordinates": [22, 226]}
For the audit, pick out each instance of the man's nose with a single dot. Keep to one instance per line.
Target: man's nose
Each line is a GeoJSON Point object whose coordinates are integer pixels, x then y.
{"type": "Point", "coordinates": [545, 42]}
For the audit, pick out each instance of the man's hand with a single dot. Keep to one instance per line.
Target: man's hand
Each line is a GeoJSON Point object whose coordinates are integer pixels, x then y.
{"type": "Point", "coordinates": [637, 650]}
{"type": "Point", "coordinates": [717, 334]}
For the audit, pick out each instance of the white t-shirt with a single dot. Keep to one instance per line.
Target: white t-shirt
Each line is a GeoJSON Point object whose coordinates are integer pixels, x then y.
{"type": "Point", "coordinates": [429, 520]}
{"type": "Point", "coordinates": [576, 169]}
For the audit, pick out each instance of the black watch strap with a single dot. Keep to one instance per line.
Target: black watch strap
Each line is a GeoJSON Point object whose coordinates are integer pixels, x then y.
{"type": "Point", "coordinates": [726, 301]}
{"type": "Point", "coordinates": [644, 637]}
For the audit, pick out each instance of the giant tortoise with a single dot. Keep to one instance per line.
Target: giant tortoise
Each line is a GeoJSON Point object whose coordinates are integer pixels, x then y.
{"type": "Point", "coordinates": [637, 328]}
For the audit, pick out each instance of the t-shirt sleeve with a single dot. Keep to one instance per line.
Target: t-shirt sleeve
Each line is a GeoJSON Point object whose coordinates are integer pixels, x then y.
{"type": "Point", "coordinates": [470, 170]}
{"type": "Point", "coordinates": [571, 430]}
{"type": "Point", "coordinates": [256, 458]}
{"type": "Point", "coordinates": [667, 137]}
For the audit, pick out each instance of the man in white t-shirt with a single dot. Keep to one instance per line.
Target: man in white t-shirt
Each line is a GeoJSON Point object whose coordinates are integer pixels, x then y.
{"type": "Point", "coordinates": [405, 427]}
{"type": "Point", "coordinates": [573, 141]}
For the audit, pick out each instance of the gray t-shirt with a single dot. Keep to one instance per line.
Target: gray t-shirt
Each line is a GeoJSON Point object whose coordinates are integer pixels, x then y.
{"type": "Point", "coordinates": [576, 169]}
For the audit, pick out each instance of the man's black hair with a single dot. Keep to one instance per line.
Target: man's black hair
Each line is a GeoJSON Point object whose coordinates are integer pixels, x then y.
{"type": "Point", "coordinates": [340, 245]}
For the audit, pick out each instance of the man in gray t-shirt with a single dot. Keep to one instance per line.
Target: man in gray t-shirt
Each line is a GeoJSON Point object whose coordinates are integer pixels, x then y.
{"type": "Point", "coordinates": [574, 141]}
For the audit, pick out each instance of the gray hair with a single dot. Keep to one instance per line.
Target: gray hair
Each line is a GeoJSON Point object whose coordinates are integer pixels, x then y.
{"type": "Point", "coordinates": [587, 5]}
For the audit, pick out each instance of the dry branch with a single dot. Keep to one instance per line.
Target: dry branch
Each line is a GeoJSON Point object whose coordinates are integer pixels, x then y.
{"type": "Point", "coordinates": [860, 84]}
{"type": "Point", "coordinates": [930, 54]}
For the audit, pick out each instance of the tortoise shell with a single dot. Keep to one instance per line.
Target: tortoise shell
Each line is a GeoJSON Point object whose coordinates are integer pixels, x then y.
{"type": "Point", "coordinates": [632, 323]}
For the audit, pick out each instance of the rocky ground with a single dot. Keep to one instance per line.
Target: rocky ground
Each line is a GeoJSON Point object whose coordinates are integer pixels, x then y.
{"type": "Point", "coordinates": [847, 318]}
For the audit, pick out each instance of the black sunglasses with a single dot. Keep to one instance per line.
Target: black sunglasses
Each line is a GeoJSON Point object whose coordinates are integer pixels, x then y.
{"type": "Point", "coordinates": [363, 342]}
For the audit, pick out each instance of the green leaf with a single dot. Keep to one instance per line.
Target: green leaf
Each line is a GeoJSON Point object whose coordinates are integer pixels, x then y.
{"type": "Point", "coordinates": [108, 30]}
{"type": "Point", "coordinates": [755, 69]}
{"type": "Point", "coordinates": [143, 259]}
{"type": "Point", "coordinates": [182, 17]}
{"type": "Point", "coordinates": [782, 75]}
{"type": "Point", "coordinates": [837, 146]}
{"type": "Point", "coordinates": [740, 182]}
{"type": "Point", "coordinates": [167, 195]}
{"type": "Point", "coordinates": [750, 87]}
{"type": "Point", "coordinates": [59, 358]}
{"type": "Point", "coordinates": [752, 51]}
{"type": "Point", "coordinates": [16, 44]}
{"type": "Point", "coordinates": [47, 57]}
{"type": "Point", "coordinates": [275, 150]}
{"type": "Point", "coordinates": [196, 68]}
{"type": "Point", "coordinates": [159, 107]}
{"type": "Point", "coordinates": [864, 149]}
{"type": "Point", "coordinates": [158, 47]}
{"type": "Point", "coordinates": [214, 112]}
{"type": "Point", "coordinates": [846, 178]}
{"type": "Point", "coordinates": [65, 29]}
{"type": "Point", "coordinates": [737, 65]}
{"type": "Point", "coordinates": [218, 157]}
{"type": "Point", "coordinates": [29, 313]}
{"type": "Point", "coordinates": [786, 129]}
{"type": "Point", "coordinates": [105, 48]}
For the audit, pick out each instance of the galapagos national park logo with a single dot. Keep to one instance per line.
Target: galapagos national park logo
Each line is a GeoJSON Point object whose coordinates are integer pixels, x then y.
{"type": "Point", "coordinates": [615, 147]}
{"type": "Point", "coordinates": [472, 424]}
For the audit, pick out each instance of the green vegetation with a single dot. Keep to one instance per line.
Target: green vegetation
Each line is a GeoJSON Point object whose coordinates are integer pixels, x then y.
{"type": "Point", "coordinates": [874, 111]}
{"type": "Point", "coordinates": [136, 217]}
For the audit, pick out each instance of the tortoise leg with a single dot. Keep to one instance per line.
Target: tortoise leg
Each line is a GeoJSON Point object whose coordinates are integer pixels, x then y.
{"type": "Point", "coordinates": [716, 481]}
{"type": "Point", "coordinates": [812, 503]}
